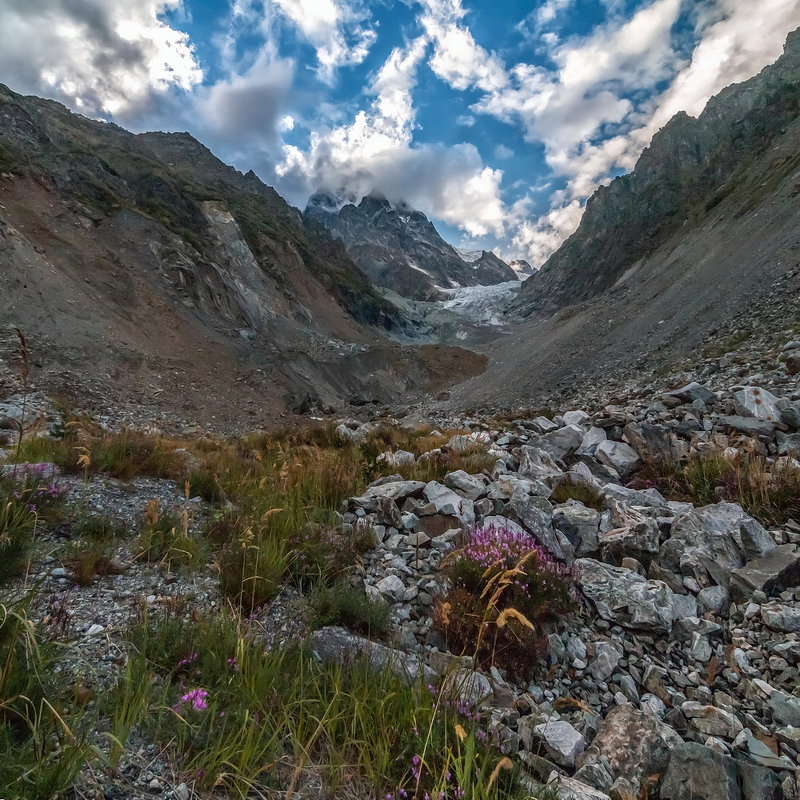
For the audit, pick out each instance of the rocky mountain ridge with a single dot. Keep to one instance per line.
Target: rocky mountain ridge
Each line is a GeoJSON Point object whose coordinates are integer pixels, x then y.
{"type": "Point", "coordinates": [400, 249]}
{"type": "Point", "coordinates": [689, 169]}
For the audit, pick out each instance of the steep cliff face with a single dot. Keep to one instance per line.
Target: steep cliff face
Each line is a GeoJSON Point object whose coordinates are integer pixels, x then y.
{"type": "Point", "coordinates": [400, 249]}
{"type": "Point", "coordinates": [689, 168]}
{"type": "Point", "coordinates": [140, 256]}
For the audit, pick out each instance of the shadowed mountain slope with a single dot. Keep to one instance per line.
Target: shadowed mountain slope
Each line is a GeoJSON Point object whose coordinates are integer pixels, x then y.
{"type": "Point", "coordinates": [144, 263]}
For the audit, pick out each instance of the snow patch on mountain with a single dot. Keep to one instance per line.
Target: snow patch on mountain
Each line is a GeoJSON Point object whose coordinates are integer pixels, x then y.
{"type": "Point", "coordinates": [481, 305]}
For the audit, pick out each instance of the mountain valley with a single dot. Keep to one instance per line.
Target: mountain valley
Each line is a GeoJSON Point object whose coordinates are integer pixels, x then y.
{"type": "Point", "coordinates": [314, 505]}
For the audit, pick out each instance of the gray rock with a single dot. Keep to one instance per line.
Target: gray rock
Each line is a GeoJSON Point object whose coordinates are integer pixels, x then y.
{"type": "Point", "coordinates": [759, 783]}
{"type": "Point", "coordinates": [714, 599]}
{"type": "Point", "coordinates": [467, 686]}
{"type": "Point", "coordinates": [710, 720]}
{"type": "Point", "coordinates": [463, 443]}
{"type": "Point", "coordinates": [606, 658]}
{"type": "Point", "coordinates": [576, 649]}
{"type": "Point", "coordinates": [700, 649]}
{"type": "Point", "coordinates": [392, 587]}
{"type": "Point", "coordinates": [561, 741]}
{"type": "Point", "coordinates": [781, 617]}
{"type": "Point", "coordinates": [655, 443]}
{"type": "Point", "coordinates": [619, 456]}
{"type": "Point", "coordinates": [683, 606]}
{"type": "Point", "coordinates": [696, 772]}
{"type": "Point", "coordinates": [181, 792]}
{"type": "Point", "coordinates": [633, 497]}
{"type": "Point", "coordinates": [399, 458]}
{"type": "Point", "coordinates": [543, 425]}
{"type": "Point", "coordinates": [591, 439]}
{"type": "Point", "coordinates": [576, 418]}
{"type": "Point", "coordinates": [708, 543]}
{"type": "Point", "coordinates": [785, 708]}
{"type": "Point", "coordinates": [338, 646]}
{"type": "Point", "coordinates": [624, 597]}
{"type": "Point", "coordinates": [512, 487]}
{"type": "Point", "coordinates": [535, 516]}
{"type": "Point", "coordinates": [639, 540]}
{"type": "Point", "coordinates": [753, 401]}
{"type": "Point", "coordinates": [562, 442]}
{"type": "Point", "coordinates": [775, 571]}
{"type": "Point", "coordinates": [650, 704]}
{"type": "Point", "coordinates": [565, 788]}
{"type": "Point", "coordinates": [536, 464]}
{"type": "Point", "coordinates": [395, 490]}
{"type": "Point", "coordinates": [760, 754]}
{"type": "Point", "coordinates": [632, 744]}
{"type": "Point", "coordinates": [746, 425]}
{"type": "Point", "coordinates": [470, 486]}
{"type": "Point", "coordinates": [579, 524]}
{"type": "Point", "coordinates": [691, 392]}
{"type": "Point", "coordinates": [448, 503]}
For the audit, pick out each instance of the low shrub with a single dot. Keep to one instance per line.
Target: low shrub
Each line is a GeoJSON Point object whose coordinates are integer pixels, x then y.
{"type": "Point", "coordinates": [224, 526]}
{"type": "Point", "coordinates": [89, 558]}
{"type": "Point", "coordinates": [344, 605]}
{"type": "Point", "coordinates": [98, 527]}
{"type": "Point", "coordinates": [325, 553]}
{"type": "Point", "coordinates": [505, 586]}
{"type": "Point", "coordinates": [130, 454]}
{"type": "Point", "coordinates": [17, 521]}
{"type": "Point", "coordinates": [44, 739]}
{"type": "Point", "coordinates": [165, 539]}
{"type": "Point", "coordinates": [252, 569]}
{"type": "Point", "coordinates": [203, 483]}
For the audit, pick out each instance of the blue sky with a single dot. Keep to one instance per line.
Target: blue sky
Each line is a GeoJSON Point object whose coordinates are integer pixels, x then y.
{"type": "Point", "coordinates": [496, 118]}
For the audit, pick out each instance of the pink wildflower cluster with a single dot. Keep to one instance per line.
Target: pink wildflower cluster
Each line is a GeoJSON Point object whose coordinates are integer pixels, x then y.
{"type": "Point", "coordinates": [197, 698]}
{"type": "Point", "coordinates": [504, 547]}
{"type": "Point", "coordinates": [464, 709]}
{"type": "Point", "coordinates": [35, 484]}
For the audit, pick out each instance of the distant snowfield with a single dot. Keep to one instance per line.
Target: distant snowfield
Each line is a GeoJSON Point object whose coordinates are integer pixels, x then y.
{"type": "Point", "coordinates": [482, 305]}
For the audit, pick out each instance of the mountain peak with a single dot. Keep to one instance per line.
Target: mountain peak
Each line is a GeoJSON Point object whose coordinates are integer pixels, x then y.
{"type": "Point", "coordinates": [399, 248]}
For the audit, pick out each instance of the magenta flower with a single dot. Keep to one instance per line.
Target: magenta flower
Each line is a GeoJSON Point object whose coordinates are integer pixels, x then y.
{"type": "Point", "coordinates": [197, 697]}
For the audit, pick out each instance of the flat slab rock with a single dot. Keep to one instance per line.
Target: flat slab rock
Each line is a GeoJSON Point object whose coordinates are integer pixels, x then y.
{"type": "Point", "coordinates": [338, 646]}
{"type": "Point", "coordinates": [778, 569]}
{"type": "Point", "coordinates": [561, 741]}
{"type": "Point", "coordinates": [708, 543]}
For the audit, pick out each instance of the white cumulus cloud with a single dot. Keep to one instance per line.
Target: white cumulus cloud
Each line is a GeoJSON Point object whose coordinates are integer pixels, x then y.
{"type": "Point", "coordinates": [101, 58]}
{"type": "Point", "coordinates": [336, 28]}
{"type": "Point", "coordinates": [457, 58]}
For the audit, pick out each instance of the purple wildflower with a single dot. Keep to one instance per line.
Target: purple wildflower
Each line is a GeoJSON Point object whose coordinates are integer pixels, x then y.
{"type": "Point", "coordinates": [197, 697]}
